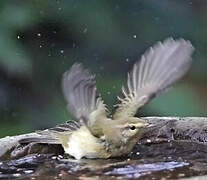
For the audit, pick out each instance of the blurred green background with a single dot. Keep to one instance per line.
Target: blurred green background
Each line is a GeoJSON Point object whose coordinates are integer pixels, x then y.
{"type": "Point", "coordinates": [40, 40]}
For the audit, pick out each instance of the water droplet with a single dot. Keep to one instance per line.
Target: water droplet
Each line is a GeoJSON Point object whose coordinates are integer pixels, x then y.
{"type": "Point", "coordinates": [60, 156]}
{"type": "Point", "coordinates": [149, 140]}
{"type": "Point", "coordinates": [16, 174]}
{"type": "Point", "coordinates": [28, 171]}
{"type": "Point", "coordinates": [41, 12]}
{"type": "Point", "coordinates": [85, 30]}
{"type": "Point", "coordinates": [54, 157]}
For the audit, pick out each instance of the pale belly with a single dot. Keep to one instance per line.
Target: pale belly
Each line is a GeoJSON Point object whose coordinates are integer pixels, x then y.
{"type": "Point", "coordinates": [82, 143]}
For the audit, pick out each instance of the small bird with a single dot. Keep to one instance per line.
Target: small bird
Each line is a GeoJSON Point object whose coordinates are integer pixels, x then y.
{"type": "Point", "coordinates": [96, 134]}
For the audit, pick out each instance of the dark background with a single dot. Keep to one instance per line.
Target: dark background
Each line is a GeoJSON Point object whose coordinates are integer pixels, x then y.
{"type": "Point", "coordinates": [40, 40]}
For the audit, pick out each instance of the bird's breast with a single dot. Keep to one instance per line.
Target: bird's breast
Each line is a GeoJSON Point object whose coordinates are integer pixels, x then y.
{"type": "Point", "coordinates": [82, 143]}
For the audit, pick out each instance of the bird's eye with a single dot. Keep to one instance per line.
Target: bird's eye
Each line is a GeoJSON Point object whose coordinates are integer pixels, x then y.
{"type": "Point", "coordinates": [132, 128]}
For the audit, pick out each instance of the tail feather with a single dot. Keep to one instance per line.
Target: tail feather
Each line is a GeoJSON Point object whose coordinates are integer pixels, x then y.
{"type": "Point", "coordinates": [40, 140]}
{"type": "Point", "coordinates": [52, 135]}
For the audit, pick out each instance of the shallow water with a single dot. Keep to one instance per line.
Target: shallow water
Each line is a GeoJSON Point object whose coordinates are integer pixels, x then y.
{"type": "Point", "coordinates": [163, 160]}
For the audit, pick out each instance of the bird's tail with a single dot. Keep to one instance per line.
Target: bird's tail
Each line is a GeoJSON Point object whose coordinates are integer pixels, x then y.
{"type": "Point", "coordinates": [42, 139]}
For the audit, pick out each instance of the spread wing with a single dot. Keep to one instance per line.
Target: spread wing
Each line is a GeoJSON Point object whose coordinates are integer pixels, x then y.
{"type": "Point", "coordinates": [84, 103]}
{"type": "Point", "coordinates": [159, 67]}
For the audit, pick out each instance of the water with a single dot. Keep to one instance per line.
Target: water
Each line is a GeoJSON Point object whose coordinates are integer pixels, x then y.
{"type": "Point", "coordinates": [166, 160]}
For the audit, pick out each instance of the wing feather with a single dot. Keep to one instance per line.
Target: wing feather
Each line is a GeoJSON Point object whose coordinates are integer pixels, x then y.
{"type": "Point", "coordinates": [79, 89]}
{"type": "Point", "coordinates": [159, 67]}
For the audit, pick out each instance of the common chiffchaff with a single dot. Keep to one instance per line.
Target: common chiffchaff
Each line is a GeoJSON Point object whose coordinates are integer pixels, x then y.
{"type": "Point", "coordinates": [95, 135]}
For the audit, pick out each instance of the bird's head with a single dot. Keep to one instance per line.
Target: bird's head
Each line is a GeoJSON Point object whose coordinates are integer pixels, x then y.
{"type": "Point", "coordinates": [124, 131]}
{"type": "Point", "coordinates": [131, 128]}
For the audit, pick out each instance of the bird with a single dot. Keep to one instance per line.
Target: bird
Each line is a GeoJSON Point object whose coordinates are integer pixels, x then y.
{"type": "Point", "coordinates": [96, 134]}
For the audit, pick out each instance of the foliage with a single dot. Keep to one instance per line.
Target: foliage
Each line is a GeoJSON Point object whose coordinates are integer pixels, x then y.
{"type": "Point", "coordinates": [39, 40]}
